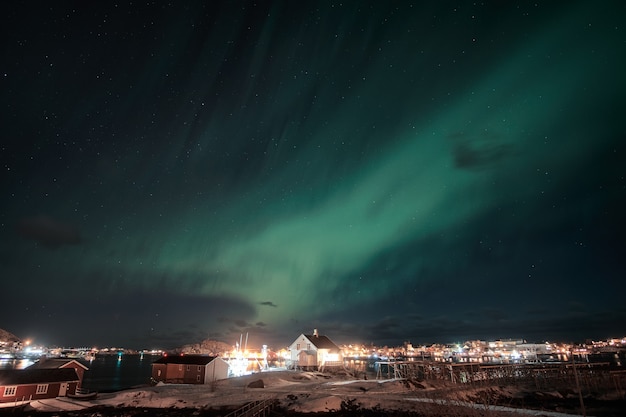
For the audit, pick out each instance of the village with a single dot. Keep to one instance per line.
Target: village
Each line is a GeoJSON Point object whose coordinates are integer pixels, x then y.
{"type": "Point", "coordinates": [300, 351]}
{"type": "Point", "coordinates": [60, 373]}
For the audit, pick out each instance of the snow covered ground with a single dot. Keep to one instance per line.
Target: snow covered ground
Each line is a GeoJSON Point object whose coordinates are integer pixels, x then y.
{"type": "Point", "coordinates": [295, 391]}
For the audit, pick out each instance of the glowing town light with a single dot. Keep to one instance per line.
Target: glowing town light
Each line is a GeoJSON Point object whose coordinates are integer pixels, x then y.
{"type": "Point", "coordinates": [331, 357]}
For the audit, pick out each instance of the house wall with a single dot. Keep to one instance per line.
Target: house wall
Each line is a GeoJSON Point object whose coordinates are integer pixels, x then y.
{"type": "Point", "coordinates": [305, 360]}
{"type": "Point", "coordinates": [80, 371]}
{"type": "Point", "coordinates": [159, 371]}
{"type": "Point", "coordinates": [174, 373]}
{"type": "Point", "coordinates": [29, 392]}
{"type": "Point", "coordinates": [193, 374]}
{"type": "Point", "coordinates": [300, 344]}
{"type": "Point", "coordinates": [217, 369]}
{"type": "Point", "coordinates": [321, 353]}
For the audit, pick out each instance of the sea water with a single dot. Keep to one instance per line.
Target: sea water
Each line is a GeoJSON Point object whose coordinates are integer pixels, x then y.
{"type": "Point", "coordinates": [106, 373]}
{"type": "Point", "coordinates": [109, 373]}
{"type": "Point", "coordinates": [10, 363]}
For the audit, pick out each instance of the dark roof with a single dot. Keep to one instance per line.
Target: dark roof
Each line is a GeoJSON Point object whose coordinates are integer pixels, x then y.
{"type": "Point", "coordinates": [36, 376]}
{"type": "Point", "coordinates": [186, 359]}
{"type": "Point", "coordinates": [53, 363]}
{"type": "Point", "coordinates": [321, 342]}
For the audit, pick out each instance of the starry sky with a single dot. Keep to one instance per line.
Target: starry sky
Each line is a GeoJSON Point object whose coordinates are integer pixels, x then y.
{"type": "Point", "coordinates": [383, 171]}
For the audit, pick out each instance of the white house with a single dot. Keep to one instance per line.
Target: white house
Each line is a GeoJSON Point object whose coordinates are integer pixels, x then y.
{"type": "Point", "coordinates": [312, 351]}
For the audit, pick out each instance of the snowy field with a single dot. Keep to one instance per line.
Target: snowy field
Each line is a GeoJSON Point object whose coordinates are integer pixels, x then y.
{"type": "Point", "coordinates": [301, 392]}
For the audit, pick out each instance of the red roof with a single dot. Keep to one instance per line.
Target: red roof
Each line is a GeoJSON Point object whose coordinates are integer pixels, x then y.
{"type": "Point", "coordinates": [37, 376]}
{"type": "Point", "coordinates": [186, 359]}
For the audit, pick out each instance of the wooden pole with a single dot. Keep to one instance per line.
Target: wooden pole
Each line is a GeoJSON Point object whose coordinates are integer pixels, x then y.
{"type": "Point", "coordinates": [580, 395]}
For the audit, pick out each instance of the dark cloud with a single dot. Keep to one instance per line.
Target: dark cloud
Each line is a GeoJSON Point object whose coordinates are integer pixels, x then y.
{"type": "Point", "coordinates": [48, 231]}
{"type": "Point", "coordinates": [268, 303]}
{"type": "Point", "coordinates": [146, 318]}
{"type": "Point", "coordinates": [241, 323]}
{"type": "Point", "coordinates": [480, 151]}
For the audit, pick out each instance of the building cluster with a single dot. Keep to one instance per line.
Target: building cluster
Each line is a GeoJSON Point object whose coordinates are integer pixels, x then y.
{"type": "Point", "coordinates": [25, 350]}
{"type": "Point", "coordinates": [475, 351]}
{"type": "Point", "coordinates": [300, 351]}
{"type": "Point", "coordinates": [62, 375]}
{"type": "Point", "coordinates": [315, 350]}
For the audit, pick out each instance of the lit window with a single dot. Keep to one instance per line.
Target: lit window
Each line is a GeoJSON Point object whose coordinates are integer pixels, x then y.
{"type": "Point", "coordinates": [10, 391]}
{"type": "Point", "coordinates": [42, 389]}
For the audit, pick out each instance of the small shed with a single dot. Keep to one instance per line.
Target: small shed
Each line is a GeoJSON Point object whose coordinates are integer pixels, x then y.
{"type": "Point", "coordinates": [189, 369]}
{"type": "Point", "coordinates": [24, 385]}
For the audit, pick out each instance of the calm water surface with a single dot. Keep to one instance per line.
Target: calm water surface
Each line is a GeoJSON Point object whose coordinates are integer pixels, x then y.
{"type": "Point", "coordinates": [106, 372]}
{"type": "Point", "coordinates": [113, 373]}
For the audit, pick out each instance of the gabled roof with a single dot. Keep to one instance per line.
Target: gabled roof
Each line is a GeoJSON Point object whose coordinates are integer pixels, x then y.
{"type": "Point", "coordinates": [321, 342]}
{"type": "Point", "coordinates": [186, 359]}
{"type": "Point", "coordinates": [54, 363]}
{"type": "Point", "coordinates": [36, 376]}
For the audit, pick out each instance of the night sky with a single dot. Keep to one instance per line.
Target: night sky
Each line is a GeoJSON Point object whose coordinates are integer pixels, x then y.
{"type": "Point", "coordinates": [383, 171]}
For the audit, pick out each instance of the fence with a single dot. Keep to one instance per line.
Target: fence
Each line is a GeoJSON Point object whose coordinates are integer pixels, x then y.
{"type": "Point", "coordinates": [260, 408]}
{"type": "Point", "coordinates": [592, 376]}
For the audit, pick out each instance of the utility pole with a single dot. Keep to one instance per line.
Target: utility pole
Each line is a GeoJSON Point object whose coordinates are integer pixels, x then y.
{"type": "Point", "coordinates": [580, 395]}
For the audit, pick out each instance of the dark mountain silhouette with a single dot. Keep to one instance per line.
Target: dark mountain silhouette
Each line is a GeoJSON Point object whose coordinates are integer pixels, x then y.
{"type": "Point", "coordinates": [8, 337]}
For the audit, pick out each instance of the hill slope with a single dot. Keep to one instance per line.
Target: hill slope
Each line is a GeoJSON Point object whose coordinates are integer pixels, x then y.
{"type": "Point", "coordinates": [8, 337]}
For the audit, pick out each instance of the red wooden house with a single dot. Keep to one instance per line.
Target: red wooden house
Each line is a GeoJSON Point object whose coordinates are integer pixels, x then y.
{"type": "Point", "coordinates": [189, 369]}
{"type": "Point", "coordinates": [18, 386]}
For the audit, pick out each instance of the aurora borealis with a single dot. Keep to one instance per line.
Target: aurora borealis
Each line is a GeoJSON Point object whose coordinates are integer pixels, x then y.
{"type": "Point", "coordinates": [382, 171]}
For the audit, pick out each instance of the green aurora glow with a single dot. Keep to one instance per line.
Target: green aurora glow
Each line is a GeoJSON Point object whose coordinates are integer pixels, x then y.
{"type": "Point", "coordinates": [287, 176]}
